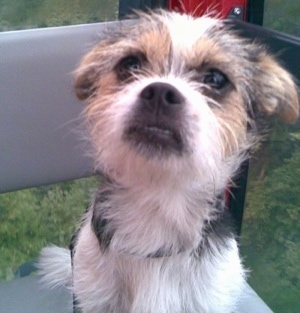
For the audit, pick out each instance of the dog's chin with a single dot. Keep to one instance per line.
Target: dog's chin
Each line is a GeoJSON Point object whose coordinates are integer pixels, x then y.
{"type": "Point", "coordinates": [154, 141]}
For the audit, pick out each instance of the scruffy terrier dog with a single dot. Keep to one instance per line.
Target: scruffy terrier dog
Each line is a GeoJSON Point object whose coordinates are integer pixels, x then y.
{"type": "Point", "coordinates": [172, 103]}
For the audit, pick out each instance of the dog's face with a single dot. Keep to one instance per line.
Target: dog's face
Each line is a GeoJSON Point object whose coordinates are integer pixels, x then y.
{"type": "Point", "coordinates": [173, 94]}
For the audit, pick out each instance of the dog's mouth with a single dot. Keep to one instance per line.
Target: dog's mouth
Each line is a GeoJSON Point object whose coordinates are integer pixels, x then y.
{"type": "Point", "coordinates": [155, 138]}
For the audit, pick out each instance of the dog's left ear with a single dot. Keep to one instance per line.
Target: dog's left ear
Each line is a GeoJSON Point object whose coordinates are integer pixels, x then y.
{"type": "Point", "coordinates": [275, 90]}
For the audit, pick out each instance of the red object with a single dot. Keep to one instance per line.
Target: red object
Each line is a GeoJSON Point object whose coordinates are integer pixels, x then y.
{"type": "Point", "coordinates": [218, 8]}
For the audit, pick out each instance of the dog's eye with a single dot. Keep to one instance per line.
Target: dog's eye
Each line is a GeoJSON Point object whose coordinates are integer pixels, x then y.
{"type": "Point", "coordinates": [128, 66]}
{"type": "Point", "coordinates": [215, 79]}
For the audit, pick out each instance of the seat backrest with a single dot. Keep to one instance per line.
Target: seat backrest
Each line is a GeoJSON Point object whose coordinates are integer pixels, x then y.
{"type": "Point", "coordinates": [39, 113]}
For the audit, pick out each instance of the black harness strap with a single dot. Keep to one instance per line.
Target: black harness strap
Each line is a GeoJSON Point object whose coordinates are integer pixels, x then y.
{"type": "Point", "coordinates": [72, 252]}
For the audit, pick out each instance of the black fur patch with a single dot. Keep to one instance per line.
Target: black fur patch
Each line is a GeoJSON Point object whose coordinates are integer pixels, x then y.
{"type": "Point", "coordinates": [102, 226]}
{"type": "Point", "coordinates": [102, 232]}
{"type": "Point", "coordinates": [216, 234]}
{"type": "Point", "coordinates": [73, 242]}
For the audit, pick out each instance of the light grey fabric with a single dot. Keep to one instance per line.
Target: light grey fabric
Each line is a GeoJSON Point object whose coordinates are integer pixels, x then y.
{"type": "Point", "coordinates": [38, 109]}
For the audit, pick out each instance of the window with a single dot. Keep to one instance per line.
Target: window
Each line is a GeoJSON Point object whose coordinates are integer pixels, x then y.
{"type": "Point", "coordinates": [271, 228]}
{"type": "Point", "coordinates": [33, 218]}
{"type": "Point", "coordinates": [24, 14]}
{"type": "Point", "coordinates": [283, 15]}
{"type": "Point", "coordinates": [36, 217]}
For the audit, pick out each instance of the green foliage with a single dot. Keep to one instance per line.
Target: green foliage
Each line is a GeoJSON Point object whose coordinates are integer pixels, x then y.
{"type": "Point", "coordinates": [34, 218]}
{"type": "Point", "coordinates": [276, 200]}
{"type": "Point", "coordinates": [271, 228]}
{"type": "Point", "coordinates": [282, 15]}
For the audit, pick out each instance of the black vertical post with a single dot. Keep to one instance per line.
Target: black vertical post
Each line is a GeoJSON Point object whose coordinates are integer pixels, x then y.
{"type": "Point", "coordinates": [255, 11]}
{"type": "Point", "coordinates": [126, 6]}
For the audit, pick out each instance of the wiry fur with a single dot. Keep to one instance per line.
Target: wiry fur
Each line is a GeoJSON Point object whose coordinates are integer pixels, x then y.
{"type": "Point", "coordinates": [154, 239]}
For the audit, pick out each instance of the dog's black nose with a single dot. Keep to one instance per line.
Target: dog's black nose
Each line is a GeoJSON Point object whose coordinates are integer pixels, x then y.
{"type": "Point", "coordinates": [160, 97]}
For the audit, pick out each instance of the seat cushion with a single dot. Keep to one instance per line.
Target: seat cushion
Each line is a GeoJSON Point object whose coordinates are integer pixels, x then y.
{"type": "Point", "coordinates": [27, 295]}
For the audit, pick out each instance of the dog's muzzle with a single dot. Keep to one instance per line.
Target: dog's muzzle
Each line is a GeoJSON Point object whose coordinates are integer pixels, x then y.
{"type": "Point", "coordinates": [157, 123]}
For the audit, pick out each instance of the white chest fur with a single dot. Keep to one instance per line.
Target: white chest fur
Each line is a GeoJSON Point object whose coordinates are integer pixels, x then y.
{"type": "Point", "coordinates": [179, 284]}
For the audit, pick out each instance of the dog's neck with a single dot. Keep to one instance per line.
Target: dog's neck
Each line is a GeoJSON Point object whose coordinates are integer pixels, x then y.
{"type": "Point", "coordinates": [168, 224]}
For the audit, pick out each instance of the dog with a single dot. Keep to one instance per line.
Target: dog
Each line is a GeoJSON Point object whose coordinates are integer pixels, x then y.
{"type": "Point", "coordinates": [172, 104]}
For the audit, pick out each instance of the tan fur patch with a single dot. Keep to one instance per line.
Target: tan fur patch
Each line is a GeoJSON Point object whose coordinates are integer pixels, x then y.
{"type": "Point", "coordinates": [206, 51]}
{"type": "Point", "coordinates": [156, 45]}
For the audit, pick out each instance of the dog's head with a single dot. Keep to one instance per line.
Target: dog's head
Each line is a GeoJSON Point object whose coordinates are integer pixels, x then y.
{"type": "Point", "coordinates": [171, 93]}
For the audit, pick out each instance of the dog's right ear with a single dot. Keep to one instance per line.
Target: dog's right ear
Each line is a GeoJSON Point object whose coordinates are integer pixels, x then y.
{"type": "Point", "coordinates": [85, 83]}
{"type": "Point", "coordinates": [87, 76]}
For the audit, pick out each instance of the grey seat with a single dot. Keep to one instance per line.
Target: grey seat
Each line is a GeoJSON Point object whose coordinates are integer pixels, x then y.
{"type": "Point", "coordinates": [26, 295]}
{"type": "Point", "coordinates": [38, 116]}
